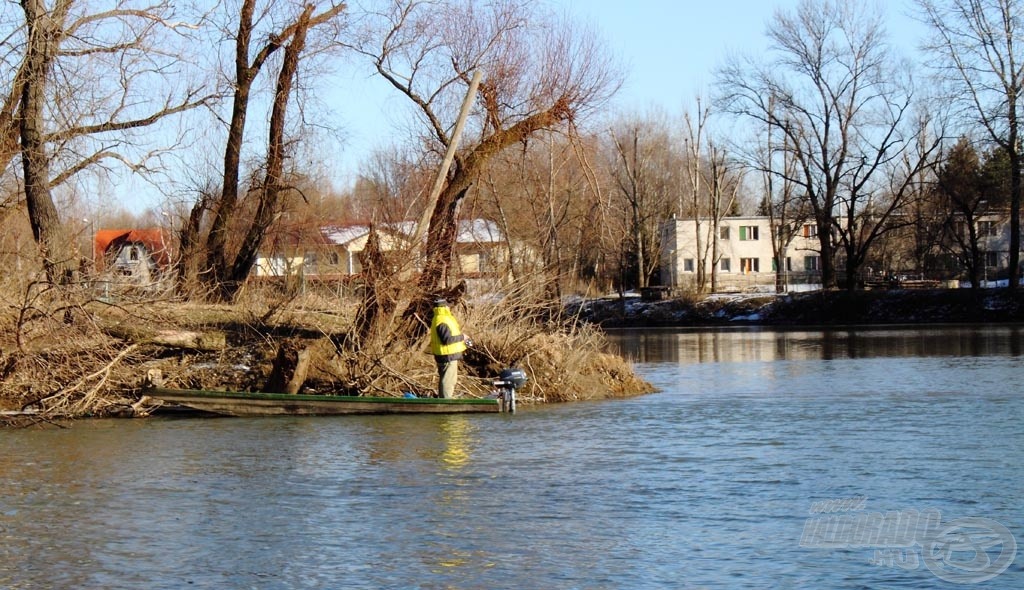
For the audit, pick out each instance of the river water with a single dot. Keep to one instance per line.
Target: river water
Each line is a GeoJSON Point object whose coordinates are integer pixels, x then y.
{"type": "Point", "coordinates": [881, 458]}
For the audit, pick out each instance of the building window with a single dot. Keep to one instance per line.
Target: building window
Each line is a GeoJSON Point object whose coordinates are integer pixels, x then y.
{"type": "Point", "coordinates": [725, 265]}
{"type": "Point", "coordinates": [775, 264]}
{"type": "Point", "coordinates": [809, 230]}
{"type": "Point", "coordinates": [333, 259]}
{"type": "Point", "coordinates": [749, 265]}
{"type": "Point", "coordinates": [987, 228]}
{"type": "Point", "coordinates": [748, 233]}
{"type": "Point", "coordinates": [688, 265]}
{"type": "Point", "coordinates": [723, 233]}
{"type": "Point", "coordinates": [812, 262]}
{"type": "Point", "coordinates": [991, 259]}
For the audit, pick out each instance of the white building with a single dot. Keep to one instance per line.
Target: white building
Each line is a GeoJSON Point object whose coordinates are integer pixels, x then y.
{"type": "Point", "coordinates": [741, 255]}
{"type": "Point", "coordinates": [332, 253]}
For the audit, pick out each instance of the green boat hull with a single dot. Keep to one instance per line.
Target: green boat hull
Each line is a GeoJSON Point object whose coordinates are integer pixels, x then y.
{"type": "Point", "coordinates": [232, 403]}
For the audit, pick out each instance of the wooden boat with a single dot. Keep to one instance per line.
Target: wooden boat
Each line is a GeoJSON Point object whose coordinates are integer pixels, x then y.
{"type": "Point", "coordinates": [233, 403]}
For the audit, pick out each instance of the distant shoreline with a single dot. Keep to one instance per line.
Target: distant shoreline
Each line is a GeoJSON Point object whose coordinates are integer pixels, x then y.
{"type": "Point", "coordinates": [818, 308]}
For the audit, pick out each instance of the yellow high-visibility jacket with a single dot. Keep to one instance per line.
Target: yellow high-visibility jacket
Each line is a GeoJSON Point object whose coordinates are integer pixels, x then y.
{"type": "Point", "coordinates": [447, 342]}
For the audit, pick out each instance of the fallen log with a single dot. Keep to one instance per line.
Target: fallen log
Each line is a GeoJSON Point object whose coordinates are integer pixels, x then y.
{"type": "Point", "coordinates": [207, 341]}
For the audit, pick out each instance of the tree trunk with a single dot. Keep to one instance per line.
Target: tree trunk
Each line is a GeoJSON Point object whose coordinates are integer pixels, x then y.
{"type": "Point", "coordinates": [641, 275]}
{"type": "Point", "coordinates": [780, 276]}
{"type": "Point", "coordinates": [46, 224]}
{"type": "Point", "coordinates": [9, 121]}
{"type": "Point", "coordinates": [851, 273]}
{"type": "Point", "coordinates": [715, 225]}
{"type": "Point", "coordinates": [441, 235]}
{"type": "Point", "coordinates": [269, 205]}
{"type": "Point", "coordinates": [225, 273]}
{"type": "Point", "coordinates": [974, 268]}
{"type": "Point", "coordinates": [441, 238]}
{"type": "Point", "coordinates": [827, 259]}
{"type": "Point", "coordinates": [217, 259]}
{"type": "Point", "coordinates": [1015, 196]}
{"type": "Point", "coordinates": [380, 293]}
{"type": "Point", "coordinates": [189, 243]}
{"type": "Point", "coordinates": [290, 367]}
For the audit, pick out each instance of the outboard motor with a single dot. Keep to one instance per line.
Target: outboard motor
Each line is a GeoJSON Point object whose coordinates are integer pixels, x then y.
{"type": "Point", "coordinates": [508, 381]}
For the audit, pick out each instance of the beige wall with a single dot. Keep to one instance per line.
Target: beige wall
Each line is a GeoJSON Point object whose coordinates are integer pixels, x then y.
{"type": "Point", "coordinates": [743, 258]}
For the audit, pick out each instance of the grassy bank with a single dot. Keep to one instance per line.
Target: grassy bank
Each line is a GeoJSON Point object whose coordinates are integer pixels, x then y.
{"type": "Point", "coordinates": [74, 352]}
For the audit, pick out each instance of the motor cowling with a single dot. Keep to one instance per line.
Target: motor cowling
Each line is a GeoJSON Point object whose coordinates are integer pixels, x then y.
{"type": "Point", "coordinates": [513, 377]}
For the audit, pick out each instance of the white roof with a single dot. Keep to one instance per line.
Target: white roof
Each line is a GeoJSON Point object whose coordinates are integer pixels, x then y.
{"type": "Point", "coordinates": [478, 231]}
{"type": "Point", "coordinates": [343, 234]}
{"type": "Point", "coordinates": [471, 231]}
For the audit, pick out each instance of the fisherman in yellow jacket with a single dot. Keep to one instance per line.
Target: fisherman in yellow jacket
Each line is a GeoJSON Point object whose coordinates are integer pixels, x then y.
{"type": "Point", "coordinates": [447, 343]}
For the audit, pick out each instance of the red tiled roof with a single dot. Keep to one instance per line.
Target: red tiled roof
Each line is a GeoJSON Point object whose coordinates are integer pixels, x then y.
{"type": "Point", "coordinates": [153, 239]}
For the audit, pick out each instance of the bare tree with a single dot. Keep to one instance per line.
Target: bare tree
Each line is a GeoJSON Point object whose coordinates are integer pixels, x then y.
{"type": "Point", "coordinates": [226, 271]}
{"type": "Point", "coordinates": [836, 92]}
{"type": "Point", "coordinates": [76, 95]}
{"type": "Point", "coordinates": [390, 184]}
{"type": "Point", "coordinates": [872, 209]}
{"type": "Point", "coordinates": [541, 194]}
{"type": "Point", "coordinates": [712, 185]}
{"type": "Point", "coordinates": [976, 43]}
{"type": "Point", "coordinates": [538, 74]}
{"type": "Point", "coordinates": [694, 147]}
{"type": "Point", "coordinates": [786, 212]}
{"type": "Point", "coordinates": [645, 173]}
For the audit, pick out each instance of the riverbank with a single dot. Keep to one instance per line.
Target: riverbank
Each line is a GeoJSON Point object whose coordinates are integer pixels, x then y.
{"type": "Point", "coordinates": [819, 308]}
{"type": "Point", "coordinates": [91, 358]}
{"type": "Point", "coordinates": [75, 355]}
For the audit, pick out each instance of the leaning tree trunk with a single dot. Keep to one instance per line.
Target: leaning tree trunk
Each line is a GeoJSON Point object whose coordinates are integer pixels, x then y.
{"type": "Point", "coordinates": [442, 230]}
{"type": "Point", "coordinates": [440, 251]}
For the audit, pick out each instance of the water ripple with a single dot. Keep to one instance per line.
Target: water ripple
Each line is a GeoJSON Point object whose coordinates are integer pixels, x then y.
{"type": "Point", "coordinates": [707, 484]}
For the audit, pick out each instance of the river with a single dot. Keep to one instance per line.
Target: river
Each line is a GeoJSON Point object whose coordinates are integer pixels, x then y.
{"type": "Point", "coordinates": [873, 458]}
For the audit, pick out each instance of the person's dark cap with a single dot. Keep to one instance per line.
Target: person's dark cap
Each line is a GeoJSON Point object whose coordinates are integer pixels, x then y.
{"type": "Point", "coordinates": [440, 302]}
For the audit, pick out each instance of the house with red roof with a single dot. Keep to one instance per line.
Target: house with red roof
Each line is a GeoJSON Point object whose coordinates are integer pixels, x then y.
{"type": "Point", "coordinates": [136, 256]}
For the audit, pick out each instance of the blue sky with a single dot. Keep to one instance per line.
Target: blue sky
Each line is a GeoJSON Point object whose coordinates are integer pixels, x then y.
{"type": "Point", "coordinates": [672, 47]}
{"type": "Point", "coordinates": [669, 49]}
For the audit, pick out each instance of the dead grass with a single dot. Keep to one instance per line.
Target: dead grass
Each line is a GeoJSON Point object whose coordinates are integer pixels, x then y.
{"type": "Point", "coordinates": [67, 351]}
{"type": "Point", "coordinates": [564, 360]}
{"type": "Point", "coordinates": [54, 356]}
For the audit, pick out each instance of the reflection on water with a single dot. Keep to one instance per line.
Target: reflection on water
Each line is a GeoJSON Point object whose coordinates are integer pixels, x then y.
{"type": "Point", "coordinates": [457, 435]}
{"type": "Point", "coordinates": [757, 344]}
{"type": "Point", "coordinates": [707, 484]}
